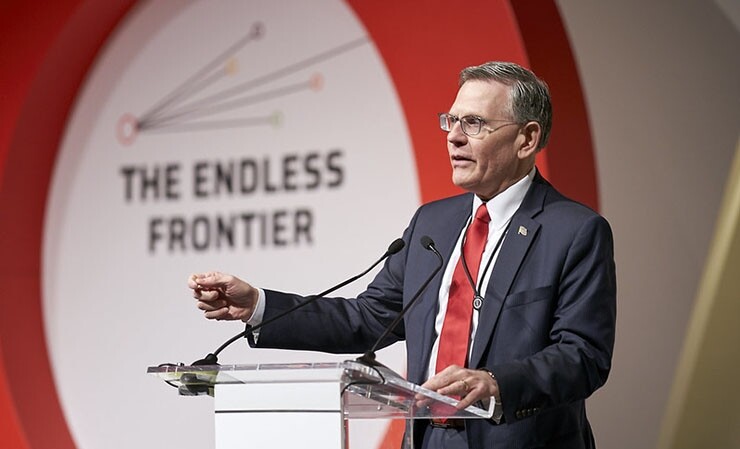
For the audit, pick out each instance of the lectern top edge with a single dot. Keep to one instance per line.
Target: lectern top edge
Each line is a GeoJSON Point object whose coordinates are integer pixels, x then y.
{"type": "Point", "coordinates": [368, 391]}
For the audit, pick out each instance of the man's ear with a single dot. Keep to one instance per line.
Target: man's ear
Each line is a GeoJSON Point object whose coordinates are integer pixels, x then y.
{"type": "Point", "coordinates": [529, 138]}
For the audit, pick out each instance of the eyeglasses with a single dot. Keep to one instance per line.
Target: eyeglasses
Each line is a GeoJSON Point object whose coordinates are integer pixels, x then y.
{"type": "Point", "coordinates": [471, 124]}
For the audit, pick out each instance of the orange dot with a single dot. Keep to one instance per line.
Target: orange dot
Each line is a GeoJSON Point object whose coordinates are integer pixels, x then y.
{"type": "Point", "coordinates": [317, 82]}
{"type": "Point", "coordinates": [232, 66]}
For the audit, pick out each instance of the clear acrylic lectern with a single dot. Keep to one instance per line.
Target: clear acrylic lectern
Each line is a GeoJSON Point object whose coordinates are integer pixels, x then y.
{"type": "Point", "coordinates": [305, 405]}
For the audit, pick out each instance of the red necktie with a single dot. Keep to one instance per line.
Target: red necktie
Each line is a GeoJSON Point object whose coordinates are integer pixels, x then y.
{"type": "Point", "coordinates": [455, 337]}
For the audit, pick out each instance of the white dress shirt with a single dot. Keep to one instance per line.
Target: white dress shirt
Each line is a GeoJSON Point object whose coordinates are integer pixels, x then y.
{"type": "Point", "coordinates": [501, 209]}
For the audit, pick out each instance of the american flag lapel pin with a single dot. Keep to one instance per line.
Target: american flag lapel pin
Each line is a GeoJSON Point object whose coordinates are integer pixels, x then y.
{"type": "Point", "coordinates": [522, 231]}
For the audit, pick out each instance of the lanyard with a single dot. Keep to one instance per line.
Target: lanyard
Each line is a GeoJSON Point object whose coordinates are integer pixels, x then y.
{"type": "Point", "coordinates": [478, 298]}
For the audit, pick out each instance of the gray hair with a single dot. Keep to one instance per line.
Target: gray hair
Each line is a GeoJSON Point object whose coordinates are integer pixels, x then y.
{"type": "Point", "coordinates": [530, 97]}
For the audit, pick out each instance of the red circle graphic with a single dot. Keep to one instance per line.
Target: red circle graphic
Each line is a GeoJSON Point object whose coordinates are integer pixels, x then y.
{"type": "Point", "coordinates": [423, 49]}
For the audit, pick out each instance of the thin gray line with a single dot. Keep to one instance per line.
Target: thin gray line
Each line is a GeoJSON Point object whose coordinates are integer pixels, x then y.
{"type": "Point", "coordinates": [226, 106]}
{"type": "Point", "coordinates": [253, 83]}
{"type": "Point", "coordinates": [184, 91]}
{"type": "Point", "coordinates": [207, 125]}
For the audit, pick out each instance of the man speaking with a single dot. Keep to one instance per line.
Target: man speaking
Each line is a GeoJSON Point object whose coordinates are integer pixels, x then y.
{"type": "Point", "coordinates": [522, 317]}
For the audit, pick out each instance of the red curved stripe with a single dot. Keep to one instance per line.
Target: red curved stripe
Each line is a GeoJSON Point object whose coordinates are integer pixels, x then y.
{"type": "Point", "coordinates": [11, 434]}
{"type": "Point", "coordinates": [65, 47]}
{"type": "Point", "coordinates": [570, 153]}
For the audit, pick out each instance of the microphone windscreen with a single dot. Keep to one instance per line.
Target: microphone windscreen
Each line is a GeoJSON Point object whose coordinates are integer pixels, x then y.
{"type": "Point", "coordinates": [396, 246]}
{"type": "Point", "coordinates": [427, 242]}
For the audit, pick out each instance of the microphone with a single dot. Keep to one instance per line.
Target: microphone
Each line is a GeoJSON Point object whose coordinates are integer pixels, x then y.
{"type": "Point", "coordinates": [369, 357]}
{"type": "Point", "coordinates": [212, 358]}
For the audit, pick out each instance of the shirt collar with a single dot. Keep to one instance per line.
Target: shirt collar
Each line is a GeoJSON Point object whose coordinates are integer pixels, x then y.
{"type": "Point", "coordinates": [503, 206]}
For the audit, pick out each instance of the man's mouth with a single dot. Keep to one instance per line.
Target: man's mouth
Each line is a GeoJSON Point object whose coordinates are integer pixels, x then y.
{"type": "Point", "coordinates": [460, 158]}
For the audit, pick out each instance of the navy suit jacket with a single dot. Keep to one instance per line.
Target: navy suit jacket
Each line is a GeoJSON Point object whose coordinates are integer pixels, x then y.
{"type": "Point", "coordinates": [546, 328]}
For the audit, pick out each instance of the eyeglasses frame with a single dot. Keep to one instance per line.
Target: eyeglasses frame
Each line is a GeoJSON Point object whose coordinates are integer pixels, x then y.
{"type": "Point", "coordinates": [483, 123]}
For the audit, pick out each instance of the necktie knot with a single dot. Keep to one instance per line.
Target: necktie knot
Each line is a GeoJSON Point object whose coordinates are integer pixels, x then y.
{"type": "Point", "coordinates": [482, 214]}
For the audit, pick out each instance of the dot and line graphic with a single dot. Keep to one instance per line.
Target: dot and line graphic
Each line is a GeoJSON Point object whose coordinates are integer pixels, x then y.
{"type": "Point", "coordinates": [188, 108]}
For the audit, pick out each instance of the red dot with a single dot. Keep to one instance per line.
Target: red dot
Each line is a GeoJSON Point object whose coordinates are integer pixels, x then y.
{"type": "Point", "coordinates": [127, 129]}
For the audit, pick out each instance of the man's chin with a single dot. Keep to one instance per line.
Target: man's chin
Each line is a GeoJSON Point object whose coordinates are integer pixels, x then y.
{"type": "Point", "coordinates": [463, 182]}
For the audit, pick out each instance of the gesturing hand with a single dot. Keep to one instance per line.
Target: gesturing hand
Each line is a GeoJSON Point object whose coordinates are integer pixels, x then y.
{"type": "Point", "coordinates": [223, 296]}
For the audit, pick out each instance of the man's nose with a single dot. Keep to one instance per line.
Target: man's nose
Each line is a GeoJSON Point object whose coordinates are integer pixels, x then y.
{"type": "Point", "coordinates": [456, 135]}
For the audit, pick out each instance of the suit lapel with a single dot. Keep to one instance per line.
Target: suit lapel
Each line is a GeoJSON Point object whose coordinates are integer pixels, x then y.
{"type": "Point", "coordinates": [522, 232]}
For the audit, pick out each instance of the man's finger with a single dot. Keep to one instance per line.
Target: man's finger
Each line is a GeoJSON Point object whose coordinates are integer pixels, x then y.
{"type": "Point", "coordinates": [206, 295]}
{"type": "Point", "coordinates": [212, 305]}
{"type": "Point", "coordinates": [467, 401]}
{"type": "Point", "coordinates": [212, 279]}
{"type": "Point", "coordinates": [218, 314]}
